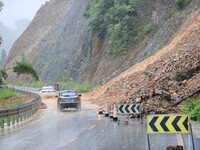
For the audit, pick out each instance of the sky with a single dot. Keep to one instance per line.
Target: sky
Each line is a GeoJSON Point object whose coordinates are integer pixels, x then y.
{"type": "Point", "coordinates": [14, 10]}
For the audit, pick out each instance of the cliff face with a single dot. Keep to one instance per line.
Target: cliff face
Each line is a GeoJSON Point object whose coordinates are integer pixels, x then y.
{"type": "Point", "coordinates": [60, 44]}
{"type": "Point", "coordinates": [67, 50]}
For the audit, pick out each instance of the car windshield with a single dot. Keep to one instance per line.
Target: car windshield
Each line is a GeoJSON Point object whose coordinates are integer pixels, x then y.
{"type": "Point", "coordinates": [48, 88]}
{"type": "Point", "coordinates": [67, 94]}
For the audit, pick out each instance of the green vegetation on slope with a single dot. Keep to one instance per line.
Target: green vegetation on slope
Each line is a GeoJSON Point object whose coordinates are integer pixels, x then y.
{"type": "Point", "coordinates": [9, 98]}
{"type": "Point", "coordinates": [148, 28]}
{"type": "Point", "coordinates": [115, 19]}
{"type": "Point", "coordinates": [192, 107]}
{"type": "Point", "coordinates": [3, 75]}
{"type": "Point", "coordinates": [7, 93]}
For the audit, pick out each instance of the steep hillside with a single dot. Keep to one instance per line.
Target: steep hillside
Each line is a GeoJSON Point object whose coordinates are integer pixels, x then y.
{"type": "Point", "coordinates": [60, 44]}
{"type": "Point", "coordinates": [156, 80]}
{"type": "Point", "coordinates": [37, 32]}
{"type": "Point", "coordinates": [66, 52]}
{"type": "Point", "coordinates": [166, 24]}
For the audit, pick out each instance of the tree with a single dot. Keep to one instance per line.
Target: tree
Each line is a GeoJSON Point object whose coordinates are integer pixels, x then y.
{"type": "Point", "coordinates": [23, 67]}
{"type": "Point", "coordinates": [3, 76]}
{"type": "Point", "coordinates": [3, 58]}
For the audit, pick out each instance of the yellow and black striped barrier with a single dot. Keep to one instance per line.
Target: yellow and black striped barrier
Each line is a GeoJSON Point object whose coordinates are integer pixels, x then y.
{"type": "Point", "coordinates": [128, 109]}
{"type": "Point", "coordinates": [169, 124]}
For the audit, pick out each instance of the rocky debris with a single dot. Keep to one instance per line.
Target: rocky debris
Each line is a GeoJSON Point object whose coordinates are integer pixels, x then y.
{"type": "Point", "coordinates": [154, 81]}
{"type": "Point", "coordinates": [177, 147]}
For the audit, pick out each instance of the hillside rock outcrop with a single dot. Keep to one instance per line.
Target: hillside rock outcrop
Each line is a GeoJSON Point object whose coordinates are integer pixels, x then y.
{"type": "Point", "coordinates": [66, 52]}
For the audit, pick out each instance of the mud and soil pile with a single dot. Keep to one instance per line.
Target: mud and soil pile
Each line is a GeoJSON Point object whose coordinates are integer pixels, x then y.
{"type": "Point", "coordinates": [162, 79]}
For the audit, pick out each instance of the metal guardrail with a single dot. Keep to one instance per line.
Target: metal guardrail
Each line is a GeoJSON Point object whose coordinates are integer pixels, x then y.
{"type": "Point", "coordinates": [19, 113]}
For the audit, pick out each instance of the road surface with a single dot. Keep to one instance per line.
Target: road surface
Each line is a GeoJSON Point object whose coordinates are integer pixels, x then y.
{"type": "Point", "coordinates": [50, 129]}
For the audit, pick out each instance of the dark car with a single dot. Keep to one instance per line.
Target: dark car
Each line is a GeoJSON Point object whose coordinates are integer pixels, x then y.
{"type": "Point", "coordinates": [68, 99]}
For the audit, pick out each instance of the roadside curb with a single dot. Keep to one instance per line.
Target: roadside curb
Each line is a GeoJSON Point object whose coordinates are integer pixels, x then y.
{"type": "Point", "coordinates": [196, 128]}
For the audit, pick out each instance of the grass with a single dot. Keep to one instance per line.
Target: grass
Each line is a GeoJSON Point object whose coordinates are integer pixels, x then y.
{"type": "Point", "coordinates": [7, 93]}
{"type": "Point", "coordinates": [192, 107]}
{"type": "Point", "coordinates": [177, 14]}
{"type": "Point", "coordinates": [81, 88]}
{"type": "Point", "coordinates": [147, 28]}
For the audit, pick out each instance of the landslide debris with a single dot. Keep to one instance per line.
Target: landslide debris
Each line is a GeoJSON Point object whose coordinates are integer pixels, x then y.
{"type": "Point", "coordinates": [162, 79]}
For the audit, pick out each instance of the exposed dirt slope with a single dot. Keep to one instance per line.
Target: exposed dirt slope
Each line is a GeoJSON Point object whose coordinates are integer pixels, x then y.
{"type": "Point", "coordinates": [153, 80]}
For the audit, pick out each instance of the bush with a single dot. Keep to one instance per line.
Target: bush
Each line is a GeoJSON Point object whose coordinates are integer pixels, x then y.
{"type": "Point", "coordinates": [182, 3]}
{"type": "Point", "coordinates": [177, 14]}
{"type": "Point", "coordinates": [192, 107]}
{"type": "Point", "coordinates": [147, 28]}
{"type": "Point", "coordinates": [180, 76]}
{"type": "Point", "coordinates": [3, 75]}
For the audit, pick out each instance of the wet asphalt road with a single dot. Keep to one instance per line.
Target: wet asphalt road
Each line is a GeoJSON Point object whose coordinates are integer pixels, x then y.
{"type": "Point", "coordinates": [50, 129]}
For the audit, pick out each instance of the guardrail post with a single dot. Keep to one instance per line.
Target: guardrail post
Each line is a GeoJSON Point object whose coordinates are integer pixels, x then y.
{"type": "Point", "coordinates": [13, 120]}
{"type": "Point", "coordinates": [15, 115]}
{"type": "Point", "coordinates": [8, 121]}
{"type": "Point", "coordinates": [24, 116]}
{"type": "Point", "coordinates": [2, 123]}
{"type": "Point", "coordinates": [21, 117]}
{"type": "Point", "coordinates": [17, 118]}
{"type": "Point", "coordinates": [28, 114]}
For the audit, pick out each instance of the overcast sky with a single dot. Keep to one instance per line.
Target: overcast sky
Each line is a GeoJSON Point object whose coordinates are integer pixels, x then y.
{"type": "Point", "coordinates": [14, 10]}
